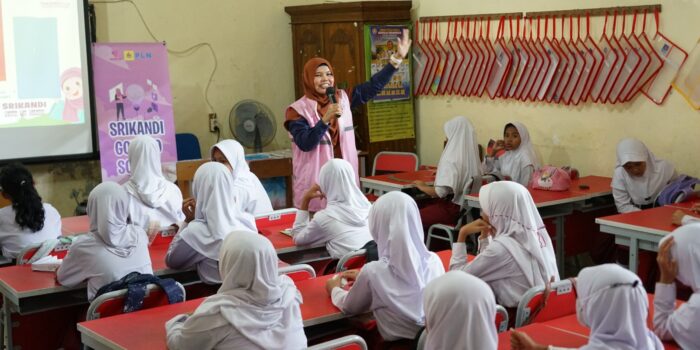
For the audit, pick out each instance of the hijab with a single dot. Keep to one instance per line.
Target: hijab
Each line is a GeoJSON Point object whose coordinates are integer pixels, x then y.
{"type": "Point", "coordinates": [405, 264]}
{"type": "Point", "coordinates": [612, 302]}
{"type": "Point", "coordinates": [108, 210]}
{"type": "Point", "coordinates": [253, 298]}
{"type": "Point", "coordinates": [216, 213]}
{"type": "Point", "coordinates": [642, 189]}
{"type": "Point", "coordinates": [514, 161]}
{"type": "Point", "coordinates": [519, 228]}
{"type": "Point", "coordinates": [459, 162]}
{"type": "Point", "coordinates": [460, 310]}
{"type": "Point", "coordinates": [308, 80]}
{"type": "Point", "coordinates": [345, 202]}
{"type": "Point", "coordinates": [72, 105]}
{"type": "Point", "coordinates": [146, 182]}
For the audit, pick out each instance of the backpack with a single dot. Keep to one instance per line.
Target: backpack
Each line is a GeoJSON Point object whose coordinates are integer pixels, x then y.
{"type": "Point", "coordinates": [550, 178]}
{"type": "Point", "coordinates": [677, 190]}
{"type": "Point", "coordinates": [135, 283]}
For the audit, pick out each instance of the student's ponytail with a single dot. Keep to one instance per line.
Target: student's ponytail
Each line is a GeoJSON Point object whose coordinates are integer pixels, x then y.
{"type": "Point", "coordinates": [17, 183]}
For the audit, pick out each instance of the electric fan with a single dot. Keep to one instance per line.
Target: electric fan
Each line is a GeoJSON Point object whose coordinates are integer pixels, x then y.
{"type": "Point", "coordinates": [252, 124]}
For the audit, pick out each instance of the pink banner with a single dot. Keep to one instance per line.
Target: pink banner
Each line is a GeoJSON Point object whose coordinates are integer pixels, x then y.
{"type": "Point", "coordinates": [132, 97]}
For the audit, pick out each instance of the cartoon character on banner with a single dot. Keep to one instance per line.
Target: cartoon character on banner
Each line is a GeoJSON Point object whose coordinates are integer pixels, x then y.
{"type": "Point", "coordinates": [71, 109]}
{"type": "Point", "coordinates": [119, 98]}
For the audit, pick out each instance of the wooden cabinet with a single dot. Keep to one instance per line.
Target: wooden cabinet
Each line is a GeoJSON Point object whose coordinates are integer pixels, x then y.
{"type": "Point", "coordinates": [335, 31]}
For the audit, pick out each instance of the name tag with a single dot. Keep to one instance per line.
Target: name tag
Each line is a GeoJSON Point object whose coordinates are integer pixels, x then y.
{"type": "Point", "coordinates": [349, 128]}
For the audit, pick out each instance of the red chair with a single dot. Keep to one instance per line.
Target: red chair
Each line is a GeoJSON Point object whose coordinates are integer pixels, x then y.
{"type": "Point", "coordinates": [112, 303]}
{"type": "Point", "coordinates": [59, 251]}
{"type": "Point", "coordinates": [348, 342]}
{"type": "Point", "coordinates": [394, 162]}
{"type": "Point", "coordinates": [299, 272]}
{"type": "Point", "coordinates": [353, 260]}
{"type": "Point", "coordinates": [546, 303]}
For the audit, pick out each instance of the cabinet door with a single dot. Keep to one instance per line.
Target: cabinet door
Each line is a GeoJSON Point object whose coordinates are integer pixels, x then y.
{"type": "Point", "coordinates": [307, 43]}
{"type": "Point", "coordinates": [341, 44]}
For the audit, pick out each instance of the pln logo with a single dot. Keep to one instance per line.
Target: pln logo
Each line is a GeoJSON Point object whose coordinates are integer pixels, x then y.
{"type": "Point", "coordinates": [131, 55]}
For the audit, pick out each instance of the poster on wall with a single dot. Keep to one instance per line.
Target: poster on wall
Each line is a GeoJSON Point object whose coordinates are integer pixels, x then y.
{"type": "Point", "coordinates": [382, 44]}
{"type": "Point", "coordinates": [132, 97]}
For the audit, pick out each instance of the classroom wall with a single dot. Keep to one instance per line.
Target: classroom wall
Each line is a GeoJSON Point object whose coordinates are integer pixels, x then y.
{"type": "Point", "coordinates": [584, 136]}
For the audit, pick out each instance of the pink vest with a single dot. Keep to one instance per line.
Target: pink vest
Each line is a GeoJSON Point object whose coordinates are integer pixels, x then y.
{"type": "Point", "coordinates": [307, 165]}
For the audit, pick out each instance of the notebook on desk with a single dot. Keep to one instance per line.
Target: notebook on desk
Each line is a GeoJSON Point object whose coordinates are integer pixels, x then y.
{"type": "Point", "coordinates": [287, 232]}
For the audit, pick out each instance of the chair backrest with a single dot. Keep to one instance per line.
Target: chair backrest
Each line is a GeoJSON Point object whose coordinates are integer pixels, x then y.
{"type": "Point", "coordinates": [394, 162]}
{"type": "Point", "coordinates": [348, 342]}
{"type": "Point", "coordinates": [353, 260]}
{"type": "Point", "coordinates": [112, 303]}
{"type": "Point", "coordinates": [184, 171]}
{"type": "Point", "coordinates": [187, 146]}
{"type": "Point", "coordinates": [501, 319]}
{"type": "Point", "coordinates": [298, 272]}
{"type": "Point", "coordinates": [538, 306]}
{"type": "Point", "coordinates": [59, 251]}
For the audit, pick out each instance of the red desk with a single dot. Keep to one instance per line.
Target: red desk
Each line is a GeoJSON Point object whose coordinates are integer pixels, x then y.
{"type": "Point", "coordinates": [545, 334]}
{"type": "Point", "coordinates": [639, 230]}
{"type": "Point", "coordinates": [74, 225]}
{"type": "Point", "coordinates": [271, 224]}
{"type": "Point", "coordinates": [396, 182]}
{"type": "Point", "coordinates": [118, 332]}
{"type": "Point", "coordinates": [446, 255]}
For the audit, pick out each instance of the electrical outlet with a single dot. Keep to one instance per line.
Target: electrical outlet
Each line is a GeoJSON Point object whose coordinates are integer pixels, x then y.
{"type": "Point", "coordinates": [213, 122]}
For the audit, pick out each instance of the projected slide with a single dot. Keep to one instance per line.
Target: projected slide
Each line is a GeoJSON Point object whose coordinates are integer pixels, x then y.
{"type": "Point", "coordinates": [42, 68]}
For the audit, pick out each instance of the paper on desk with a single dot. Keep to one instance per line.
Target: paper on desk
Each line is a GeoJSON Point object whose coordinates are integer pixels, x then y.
{"type": "Point", "coordinates": [48, 263]}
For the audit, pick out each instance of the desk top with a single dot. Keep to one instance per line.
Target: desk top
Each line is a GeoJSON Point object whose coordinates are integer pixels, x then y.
{"type": "Point", "coordinates": [74, 225]}
{"type": "Point", "coordinates": [597, 185]}
{"type": "Point", "coordinates": [119, 332]}
{"type": "Point", "coordinates": [545, 334]}
{"type": "Point", "coordinates": [654, 221]}
{"type": "Point", "coordinates": [401, 180]}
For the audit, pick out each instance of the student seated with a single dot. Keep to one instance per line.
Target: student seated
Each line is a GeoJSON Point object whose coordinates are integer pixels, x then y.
{"type": "Point", "coordinates": [113, 247]}
{"type": "Point", "coordinates": [27, 221]}
{"type": "Point", "coordinates": [679, 259]}
{"type": "Point", "coordinates": [342, 225]}
{"type": "Point", "coordinates": [248, 192]}
{"type": "Point", "coordinates": [255, 308]}
{"type": "Point", "coordinates": [392, 287]}
{"type": "Point", "coordinates": [612, 302]}
{"type": "Point", "coordinates": [519, 161]}
{"type": "Point", "coordinates": [459, 162]}
{"type": "Point", "coordinates": [515, 251]}
{"type": "Point", "coordinates": [639, 177]}
{"type": "Point", "coordinates": [216, 214]}
{"type": "Point", "coordinates": [156, 202]}
{"type": "Point", "coordinates": [460, 313]}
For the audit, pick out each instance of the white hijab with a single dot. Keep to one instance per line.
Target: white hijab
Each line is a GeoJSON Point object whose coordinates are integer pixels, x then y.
{"type": "Point", "coordinates": [405, 263]}
{"type": "Point", "coordinates": [686, 252]}
{"type": "Point", "coordinates": [243, 178]}
{"type": "Point", "coordinates": [645, 188]}
{"type": "Point", "coordinates": [146, 182]}
{"type": "Point", "coordinates": [612, 302]}
{"type": "Point", "coordinates": [459, 161]}
{"type": "Point", "coordinates": [261, 305]}
{"type": "Point", "coordinates": [108, 210]}
{"type": "Point", "coordinates": [345, 202]}
{"type": "Point", "coordinates": [216, 213]}
{"type": "Point", "coordinates": [513, 162]}
{"type": "Point", "coordinates": [519, 228]}
{"type": "Point", "coordinates": [460, 313]}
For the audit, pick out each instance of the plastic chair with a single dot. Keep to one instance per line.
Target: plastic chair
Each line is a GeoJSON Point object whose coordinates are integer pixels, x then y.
{"type": "Point", "coordinates": [300, 272]}
{"type": "Point", "coordinates": [353, 260]}
{"type": "Point", "coordinates": [347, 342]}
{"type": "Point", "coordinates": [394, 162]}
{"type": "Point", "coordinates": [59, 251]}
{"type": "Point", "coordinates": [112, 303]}
{"type": "Point", "coordinates": [187, 146]}
{"type": "Point", "coordinates": [540, 304]}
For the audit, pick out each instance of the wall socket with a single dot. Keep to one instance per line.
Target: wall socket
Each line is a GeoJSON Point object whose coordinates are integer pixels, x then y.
{"type": "Point", "coordinates": [213, 123]}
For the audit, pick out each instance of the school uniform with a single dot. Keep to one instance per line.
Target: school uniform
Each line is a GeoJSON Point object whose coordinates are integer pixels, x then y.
{"type": "Point", "coordinates": [632, 192]}
{"type": "Point", "coordinates": [681, 325]}
{"type": "Point", "coordinates": [342, 225]}
{"type": "Point", "coordinates": [112, 249]}
{"type": "Point", "coordinates": [156, 201]}
{"type": "Point", "coordinates": [248, 191]}
{"type": "Point", "coordinates": [520, 254]}
{"type": "Point", "coordinates": [392, 287]}
{"type": "Point", "coordinates": [518, 164]}
{"type": "Point", "coordinates": [458, 164]}
{"type": "Point", "coordinates": [460, 310]}
{"type": "Point", "coordinates": [216, 216]}
{"type": "Point", "coordinates": [255, 308]}
{"type": "Point", "coordinates": [13, 238]}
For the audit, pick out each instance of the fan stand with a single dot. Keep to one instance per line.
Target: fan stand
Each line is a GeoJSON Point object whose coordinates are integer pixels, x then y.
{"type": "Point", "coordinates": [257, 142]}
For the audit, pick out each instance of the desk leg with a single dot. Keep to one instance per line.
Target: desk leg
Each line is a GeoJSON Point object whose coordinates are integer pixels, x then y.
{"type": "Point", "coordinates": [6, 323]}
{"type": "Point", "coordinates": [634, 250]}
{"type": "Point", "coordinates": [560, 253]}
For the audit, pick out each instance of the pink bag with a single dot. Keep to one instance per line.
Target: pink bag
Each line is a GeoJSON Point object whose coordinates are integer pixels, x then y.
{"type": "Point", "coordinates": [550, 178]}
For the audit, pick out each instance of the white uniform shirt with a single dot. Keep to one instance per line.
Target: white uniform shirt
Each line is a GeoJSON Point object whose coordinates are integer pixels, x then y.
{"type": "Point", "coordinates": [339, 238]}
{"type": "Point", "coordinates": [13, 238]}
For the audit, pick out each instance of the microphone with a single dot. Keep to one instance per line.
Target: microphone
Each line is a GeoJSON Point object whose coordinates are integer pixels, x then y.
{"type": "Point", "coordinates": [330, 92]}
